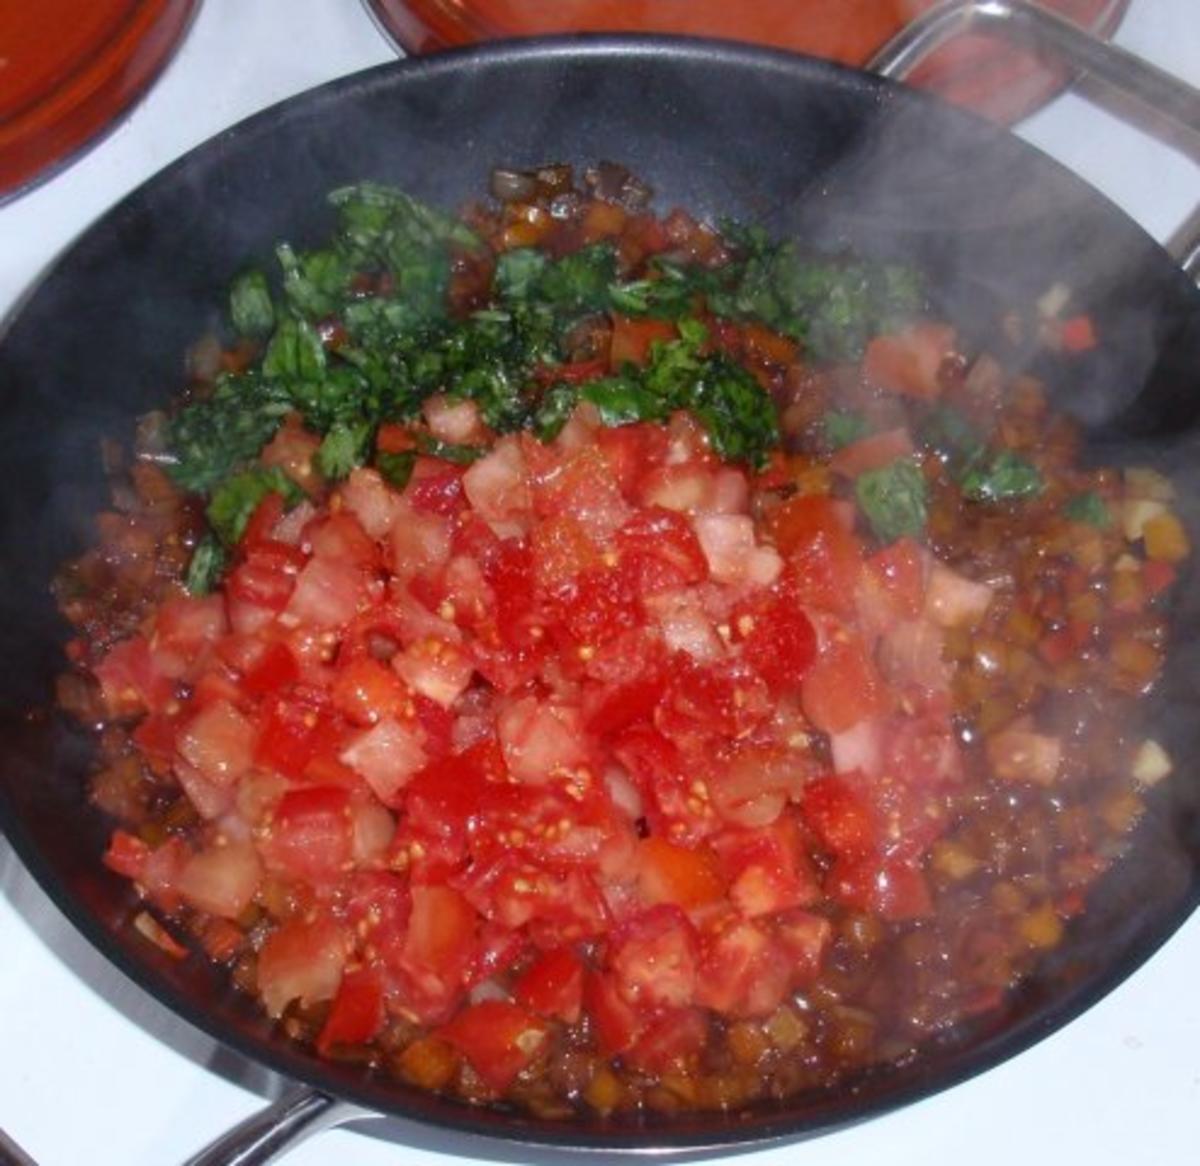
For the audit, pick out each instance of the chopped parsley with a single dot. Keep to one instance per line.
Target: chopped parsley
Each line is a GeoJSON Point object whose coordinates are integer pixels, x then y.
{"type": "Point", "coordinates": [894, 500]}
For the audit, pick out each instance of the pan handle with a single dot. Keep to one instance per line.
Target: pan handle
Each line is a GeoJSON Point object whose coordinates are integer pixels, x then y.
{"type": "Point", "coordinates": [269, 1134]}
{"type": "Point", "coordinates": [1159, 95]}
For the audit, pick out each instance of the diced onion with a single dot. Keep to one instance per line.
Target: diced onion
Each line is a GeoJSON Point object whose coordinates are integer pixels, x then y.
{"type": "Point", "coordinates": [1151, 763]}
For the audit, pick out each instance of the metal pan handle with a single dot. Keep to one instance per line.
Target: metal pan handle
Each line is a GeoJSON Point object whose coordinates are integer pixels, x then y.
{"type": "Point", "coordinates": [1159, 94]}
{"type": "Point", "coordinates": [270, 1133]}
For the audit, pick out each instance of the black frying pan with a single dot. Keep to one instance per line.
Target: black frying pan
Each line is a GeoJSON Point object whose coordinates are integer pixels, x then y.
{"type": "Point", "coordinates": [831, 154]}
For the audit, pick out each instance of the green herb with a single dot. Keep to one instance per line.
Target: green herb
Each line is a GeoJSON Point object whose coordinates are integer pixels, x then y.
{"type": "Point", "coordinates": [842, 428]}
{"type": "Point", "coordinates": [459, 455]}
{"type": "Point", "coordinates": [738, 414]}
{"type": "Point", "coordinates": [1002, 477]}
{"type": "Point", "coordinates": [315, 283]}
{"type": "Point", "coordinates": [622, 400]}
{"type": "Point", "coordinates": [250, 307]}
{"type": "Point", "coordinates": [518, 272]}
{"type": "Point", "coordinates": [235, 500]}
{"type": "Point", "coordinates": [553, 411]}
{"type": "Point", "coordinates": [218, 434]}
{"type": "Point", "coordinates": [669, 296]}
{"type": "Point", "coordinates": [948, 433]}
{"type": "Point", "coordinates": [295, 353]}
{"type": "Point", "coordinates": [893, 499]}
{"type": "Point", "coordinates": [396, 468]}
{"type": "Point", "coordinates": [1089, 508]}
{"type": "Point", "coordinates": [345, 447]}
{"type": "Point", "coordinates": [207, 565]}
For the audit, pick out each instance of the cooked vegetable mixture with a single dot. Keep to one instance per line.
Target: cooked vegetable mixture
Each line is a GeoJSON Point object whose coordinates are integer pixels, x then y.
{"type": "Point", "coordinates": [598, 661]}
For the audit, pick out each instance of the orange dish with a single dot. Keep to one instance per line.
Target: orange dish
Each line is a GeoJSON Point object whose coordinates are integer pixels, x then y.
{"type": "Point", "coordinates": [998, 81]}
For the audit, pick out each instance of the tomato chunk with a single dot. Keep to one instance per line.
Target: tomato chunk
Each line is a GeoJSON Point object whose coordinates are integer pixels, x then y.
{"type": "Point", "coordinates": [500, 1040]}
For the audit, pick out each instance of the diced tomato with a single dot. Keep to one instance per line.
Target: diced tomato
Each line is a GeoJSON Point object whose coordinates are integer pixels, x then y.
{"type": "Point", "coordinates": [726, 698]}
{"type": "Point", "coordinates": [438, 951]}
{"type": "Point", "coordinates": [653, 959]}
{"type": "Point", "coordinates": [952, 600]}
{"type": "Point", "coordinates": [328, 593]}
{"type": "Point", "coordinates": [185, 628]}
{"type": "Point", "coordinates": [686, 876]}
{"type": "Point", "coordinates": [870, 453]}
{"type": "Point", "coordinates": [743, 971]}
{"type": "Point", "coordinates": [842, 688]}
{"type": "Point", "coordinates": [127, 855]}
{"type": "Point", "coordinates": [633, 336]}
{"type": "Point", "coordinates": [908, 362]}
{"type": "Point", "coordinates": [500, 1040]}
{"type": "Point", "coordinates": [454, 420]}
{"type": "Point", "coordinates": [892, 888]}
{"type": "Point", "coordinates": [497, 486]}
{"type": "Point", "coordinates": [777, 639]}
{"type": "Point", "coordinates": [765, 869]}
{"type": "Point", "coordinates": [369, 498]}
{"type": "Point", "coordinates": [540, 739]}
{"type": "Point", "coordinates": [263, 521]}
{"type": "Point", "coordinates": [437, 668]}
{"type": "Point", "coordinates": [732, 551]}
{"type": "Point", "coordinates": [615, 1023]}
{"type": "Point", "coordinates": [221, 880]}
{"type": "Point", "coordinates": [660, 551]}
{"type": "Point", "coordinates": [1078, 334]}
{"type": "Point", "coordinates": [671, 1041]}
{"type": "Point", "coordinates": [387, 755]}
{"type": "Point", "coordinates": [553, 985]}
{"type": "Point", "coordinates": [310, 836]}
{"type": "Point", "coordinates": [366, 692]}
{"type": "Point", "coordinates": [131, 680]}
{"type": "Point", "coordinates": [436, 487]}
{"type": "Point", "coordinates": [897, 575]}
{"type": "Point", "coordinates": [584, 487]}
{"type": "Point", "coordinates": [839, 817]}
{"type": "Point", "coordinates": [824, 559]}
{"type": "Point", "coordinates": [219, 742]}
{"type": "Point", "coordinates": [290, 733]}
{"type": "Point", "coordinates": [264, 579]}
{"type": "Point", "coordinates": [276, 669]}
{"type": "Point", "coordinates": [301, 961]}
{"type": "Point", "coordinates": [341, 537]}
{"type": "Point", "coordinates": [599, 605]}
{"type": "Point", "coordinates": [358, 1011]}
{"type": "Point", "coordinates": [806, 936]}
{"type": "Point", "coordinates": [631, 452]}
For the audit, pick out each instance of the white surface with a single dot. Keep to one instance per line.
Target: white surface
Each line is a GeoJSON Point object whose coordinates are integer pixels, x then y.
{"type": "Point", "coordinates": [90, 1069]}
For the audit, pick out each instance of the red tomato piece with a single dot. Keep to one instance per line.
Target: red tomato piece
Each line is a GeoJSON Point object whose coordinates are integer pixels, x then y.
{"type": "Point", "coordinates": [616, 1025]}
{"type": "Point", "coordinates": [310, 836]}
{"type": "Point", "coordinates": [273, 671]}
{"type": "Point", "coordinates": [908, 362]}
{"type": "Point", "coordinates": [653, 959]}
{"type": "Point", "coordinates": [870, 453]}
{"type": "Point", "coordinates": [898, 572]}
{"type": "Point", "coordinates": [127, 855]}
{"type": "Point", "coordinates": [499, 1038]}
{"type": "Point", "coordinates": [839, 816]}
{"type": "Point", "coordinates": [438, 951]}
{"type": "Point", "coordinates": [892, 888]}
{"type": "Point", "coordinates": [301, 961]}
{"type": "Point", "coordinates": [842, 688]}
{"type": "Point", "coordinates": [806, 937]}
{"type": "Point", "coordinates": [131, 680]}
{"type": "Point", "coordinates": [632, 338]}
{"type": "Point", "coordinates": [671, 1042]}
{"type": "Point", "coordinates": [357, 1014]}
{"type": "Point", "coordinates": [688, 877]}
{"type": "Point", "coordinates": [366, 692]}
{"type": "Point", "coordinates": [221, 880]}
{"type": "Point", "coordinates": [598, 606]}
{"type": "Point", "coordinates": [553, 985]}
{"type": "Point", "coordinates": [219, 742]}
{"type": "Point", "coordinates": [743, 970]}
{"type": "Point", "coordinates": [766, 870]}
{"type": "Point", "coordinates": [726, 698]}
{"type": "Point", "coordinates": [777, 638]}
{"type": "Point", "coordinates": [386, 755]}
{"type": "Point", "coordinates": [289, 736]}
{"type": "Point", "coordinates": [660, 551]}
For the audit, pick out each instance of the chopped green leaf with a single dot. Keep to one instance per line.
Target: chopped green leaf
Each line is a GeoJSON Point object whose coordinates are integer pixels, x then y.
{"type": "Point", "coordinates": [459, 455]}
{"type": "Point", "coordinates": [579, 282]}
{"type": "Point", "coordinates": [553, 411]}
{"type": "Point", "coordinates": [738, 414]}
{"type": "Point", "coordinates": [250, 307]}
{"type": "Point", "coordinates": [214, 436]}
{"type": "Point", "coordinates": [1003, 477]}
{"type": "Point", "coordinates": [1089, 508]}
{"type": "Point", "coordinates": [893, 499]}
{"type": "Point", "coordinates": [235, 500]}
{"type": "Point", "coordinates": [295, 353]}
{"type": "Point", "coordinates": [206, 567]}
{"type": "Point", "coordinates": [315, 283]}
{"type": "Point", "coordinates": [843, 428]}
{"type": "Point", "coordinates": [396, 468]}
{"type": "Point", "coordinates": [622, 400]}
{"type": "Point", "coordinates": [344, 448]}
{"type": "Point", "coordinates": [518, 271]}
